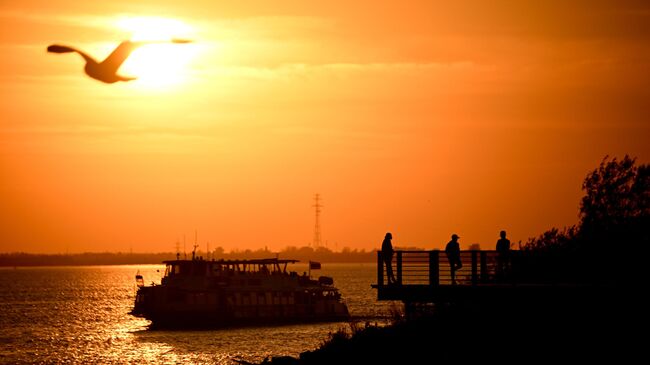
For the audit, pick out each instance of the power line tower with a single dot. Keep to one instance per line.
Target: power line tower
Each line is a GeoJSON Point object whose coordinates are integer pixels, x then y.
{"type": "Point", "coordinates": [317, 243]}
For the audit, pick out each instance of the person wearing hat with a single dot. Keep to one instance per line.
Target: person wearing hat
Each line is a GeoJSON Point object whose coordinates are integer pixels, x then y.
{"type": "Point", "coordinates": [387, 256]}
{"type": "Point", "coordinates": [453, 255]}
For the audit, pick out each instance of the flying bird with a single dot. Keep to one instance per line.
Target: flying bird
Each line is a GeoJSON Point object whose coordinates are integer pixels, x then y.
{"type": "Point", "coordinates": [106, 71]}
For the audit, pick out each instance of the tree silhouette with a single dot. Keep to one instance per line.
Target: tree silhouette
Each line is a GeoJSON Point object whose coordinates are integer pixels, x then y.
{"type": "Point", "coordinates": [614, 225]}
{"type": "Point", "coordinates": [617, 199]}
{"type": "Point", "coordinates": [614, 218]}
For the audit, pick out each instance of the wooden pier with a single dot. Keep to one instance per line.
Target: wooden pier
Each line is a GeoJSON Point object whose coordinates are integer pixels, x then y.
{"type": "Point", "coordinates": [425, 277]}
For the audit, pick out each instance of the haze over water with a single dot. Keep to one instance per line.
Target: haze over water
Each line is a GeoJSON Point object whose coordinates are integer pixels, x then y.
{"type": "Point", "coordinates": [80, 315]}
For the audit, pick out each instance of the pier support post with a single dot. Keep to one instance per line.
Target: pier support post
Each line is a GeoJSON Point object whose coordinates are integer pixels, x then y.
{"type": "Point", "coordinates": [484, 270]}
{"type": "Point", "coordinates": [434, 268]}
{"type": "Point", "coordinates": [474, 268]}
{"type": "Point", "coordinates": [399, 267]}
{"type": "Point", "coordinates": [380, 269]}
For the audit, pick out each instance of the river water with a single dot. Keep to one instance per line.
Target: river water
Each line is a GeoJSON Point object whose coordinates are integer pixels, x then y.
{"type": "Point", "coordinates": [81, 315]}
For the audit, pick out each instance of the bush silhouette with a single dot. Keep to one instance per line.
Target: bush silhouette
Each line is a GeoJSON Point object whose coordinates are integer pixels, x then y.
{"type": "Point", "coordinates": [614, 225]}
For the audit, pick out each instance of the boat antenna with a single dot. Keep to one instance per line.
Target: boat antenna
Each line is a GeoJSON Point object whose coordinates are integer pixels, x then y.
{"type": "Point", "coordinates": [196, 236]}
{"type": "Point", "coordinates": [184, 252]}
{"type": "Point", "coordinates": [178, 251]}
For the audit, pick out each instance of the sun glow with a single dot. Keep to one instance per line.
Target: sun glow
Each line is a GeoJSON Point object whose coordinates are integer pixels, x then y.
{"type": "Point", "coordinates": [159, 64]}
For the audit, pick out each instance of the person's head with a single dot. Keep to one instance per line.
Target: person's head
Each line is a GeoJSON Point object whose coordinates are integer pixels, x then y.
{"type": "Point", "coordinates": [455, 237]}
{"type": "Point", "coordinates": [503, 234]}
{"type": "Point", "coordinates": [389, 236]}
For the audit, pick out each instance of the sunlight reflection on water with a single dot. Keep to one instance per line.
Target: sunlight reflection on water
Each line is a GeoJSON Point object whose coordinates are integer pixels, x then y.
{"type": "Point", "coordinates": [80, 315]}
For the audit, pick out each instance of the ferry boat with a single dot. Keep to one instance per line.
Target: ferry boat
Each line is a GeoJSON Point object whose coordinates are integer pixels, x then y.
{"type": "Point", "coordinates": [218, 293]}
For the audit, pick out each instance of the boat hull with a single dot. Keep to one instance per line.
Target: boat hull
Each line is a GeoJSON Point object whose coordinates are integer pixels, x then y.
{"type": "Point", "coordinates": [214, 294]}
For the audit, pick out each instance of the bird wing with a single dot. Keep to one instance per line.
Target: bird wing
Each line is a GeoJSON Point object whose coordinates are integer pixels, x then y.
{"type": "Point", "coordinates": [120, 54]}
{"type": "Point", "coordinates": [56, 48]}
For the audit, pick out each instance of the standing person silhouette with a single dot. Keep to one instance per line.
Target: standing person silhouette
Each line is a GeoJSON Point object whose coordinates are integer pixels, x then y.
{"type": "Point", "coordinates": [503, 256]}
{"type": "Point", "coordinates": [453, 255]}
{"type": "Point", "coordinates": [387, 256]}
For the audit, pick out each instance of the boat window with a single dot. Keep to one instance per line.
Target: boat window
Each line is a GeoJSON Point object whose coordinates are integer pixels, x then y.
{"type": "Point", "coordinates": [177, 269]}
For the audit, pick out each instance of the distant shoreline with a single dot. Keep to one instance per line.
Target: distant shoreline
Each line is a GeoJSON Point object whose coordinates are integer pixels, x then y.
{"type": "Point", "coordinates": [20, 259]}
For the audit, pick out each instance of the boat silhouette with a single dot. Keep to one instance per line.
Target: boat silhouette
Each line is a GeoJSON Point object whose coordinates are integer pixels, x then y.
{"type": "Point", "coordinates": [219, 293]}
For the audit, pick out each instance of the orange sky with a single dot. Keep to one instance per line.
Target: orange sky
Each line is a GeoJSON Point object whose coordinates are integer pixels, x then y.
{"type": "Point", "coordinates": [416, 117]}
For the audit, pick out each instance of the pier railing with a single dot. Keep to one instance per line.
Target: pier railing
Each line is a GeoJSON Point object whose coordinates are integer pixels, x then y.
{"type": "Point", "coordinates": [432, 268]}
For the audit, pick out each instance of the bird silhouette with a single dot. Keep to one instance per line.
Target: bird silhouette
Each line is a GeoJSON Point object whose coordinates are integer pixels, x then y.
{"type": "Point", "coordinates": [106, 71]}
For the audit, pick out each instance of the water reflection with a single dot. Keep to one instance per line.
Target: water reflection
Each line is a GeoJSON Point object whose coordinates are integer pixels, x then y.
{"type": "Point", "coordinates": [80, 315]}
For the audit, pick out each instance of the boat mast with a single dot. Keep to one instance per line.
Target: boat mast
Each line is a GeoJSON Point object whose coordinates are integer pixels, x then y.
{"type": "Point", "coordinates": [196, 245]}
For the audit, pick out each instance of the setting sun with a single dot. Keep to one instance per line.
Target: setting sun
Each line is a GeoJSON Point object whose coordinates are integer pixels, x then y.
{"type": "Point", "coordinates": [158, 65]}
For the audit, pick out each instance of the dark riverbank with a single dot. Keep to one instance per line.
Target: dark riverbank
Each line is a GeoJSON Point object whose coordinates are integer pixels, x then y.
{"type": "Point", "coordinates": [598, 325]}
